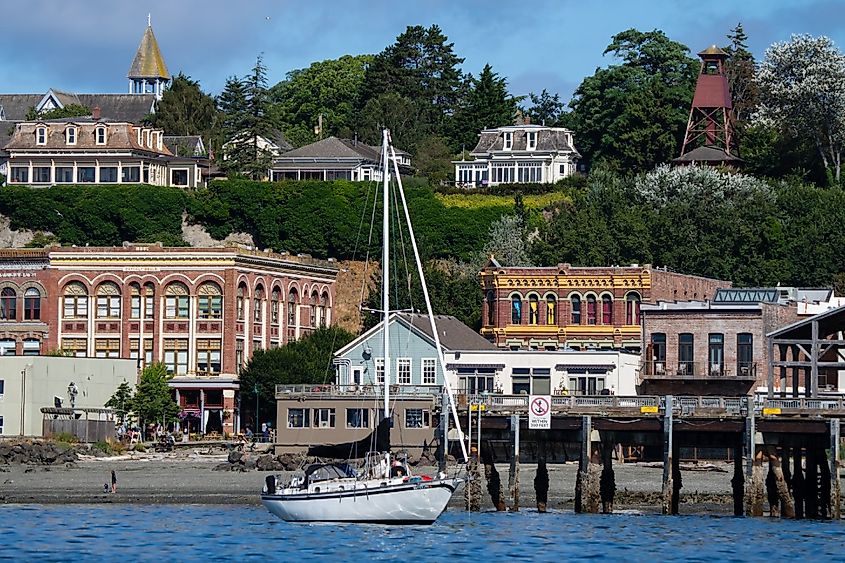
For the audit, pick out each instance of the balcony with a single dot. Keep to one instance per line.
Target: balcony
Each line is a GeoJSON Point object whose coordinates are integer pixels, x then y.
{"type": "Point", "coordinates": [697, 378]}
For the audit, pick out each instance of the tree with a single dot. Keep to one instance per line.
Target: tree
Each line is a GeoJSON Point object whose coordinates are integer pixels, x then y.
{"type": "Point", "coordinates": [70, 110]}
{"type": "Point", "coordinates": [399, 114]}
{"type": "Point", "coordinates": [802, 91]}
{"type": "Point", "coordinates": [507, 241]}
{"type": "Point", "coordinates": [184, 109]}
{"type": "Point", "coordinates": [121, 401]}
{"type": "Point", "coordinates": [304, 361]}
{"type": "Point", "coordinates": [740, 70]}
{"type": "Point", "coordinates": [331, 89]}
{"type": "Point", "coordinates": [487, 104]}
{"type": "Point", "coordinates": [545, 108]}
{"type": "Point", "coordinates": [153, 400]}
{"type": "Point", "coordinates": [633, 115]}
{"type": "Point", "coordinates": [433, 160]}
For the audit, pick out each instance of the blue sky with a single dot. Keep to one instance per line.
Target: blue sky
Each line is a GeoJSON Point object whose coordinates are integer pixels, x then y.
{"type": "Point", "coordinates": [87, 45]}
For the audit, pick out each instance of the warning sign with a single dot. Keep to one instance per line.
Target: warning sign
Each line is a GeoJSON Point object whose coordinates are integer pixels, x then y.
{"type": "Point", "coordinates": [539, 412]}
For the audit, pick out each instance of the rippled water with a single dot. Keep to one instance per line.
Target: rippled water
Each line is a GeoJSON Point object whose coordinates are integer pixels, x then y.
{"type": "Point", "coordinates": [202, 532]}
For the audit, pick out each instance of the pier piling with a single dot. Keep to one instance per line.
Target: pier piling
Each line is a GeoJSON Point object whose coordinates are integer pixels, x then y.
{"type": "Point", "coordinates": [513, 478]}
{"type": "Point", "coordinates": [738, 482]}
{"type": "Point", "coordinates": [494, 481]}
{"type": "Point", "coordinates": [668, 459]}
{"type": "Point", "coordinates": [835, 483]}
{"type": "Point", "coordinates": [541, 478]}
{"type": "Point", "coordinates": [587, 481]}
{"type": "Point", "coordinates": [607, 483]}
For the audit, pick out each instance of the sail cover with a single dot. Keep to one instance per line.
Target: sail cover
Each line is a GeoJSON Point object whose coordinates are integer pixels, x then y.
{"type": "Point", "coordinates": [377, 441]}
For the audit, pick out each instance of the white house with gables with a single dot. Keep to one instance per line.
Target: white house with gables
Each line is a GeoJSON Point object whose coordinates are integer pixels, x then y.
{"type": "Point", "coordinates": [519, 154]}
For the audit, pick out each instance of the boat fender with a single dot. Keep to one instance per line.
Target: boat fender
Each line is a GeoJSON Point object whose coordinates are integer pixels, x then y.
{"type": "Point", "coordinates": [270, 481]}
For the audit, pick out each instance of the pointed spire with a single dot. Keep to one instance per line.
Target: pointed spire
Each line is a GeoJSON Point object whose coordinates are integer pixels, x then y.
{"type": "Point", "coordinates": [148, 62]}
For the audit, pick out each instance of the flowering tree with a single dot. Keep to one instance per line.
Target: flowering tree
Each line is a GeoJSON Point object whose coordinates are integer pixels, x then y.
{"type": "Point", "coordinates": [802, 89]}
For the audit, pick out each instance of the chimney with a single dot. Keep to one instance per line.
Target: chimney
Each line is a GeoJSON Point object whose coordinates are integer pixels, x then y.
{"type": "Point", "coordinates": [95, 113]}
{"type": "Point", "coordinates": [527, 120]}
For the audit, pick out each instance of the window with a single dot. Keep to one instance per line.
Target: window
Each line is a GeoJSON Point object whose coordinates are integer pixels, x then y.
{"type": "Point", "coordinates": [176, 355]}
{"type": "Point", "coordinates": [632, 309]}
{"type": "Point", "coordinates": [31, 347]}
{"type": "Point", "coordinates": [77, 347]}
{"type": "Point", "coordinates": [86, 174]}
{"type": "Point", "coordinates": [298, 418]}
{"type": "Point", "coordinates": [357, 375]}
{"type": "Point", "coordinates": [108, 174]}
{"type": "Point", "coordinates": [1, 425]}
{"type": "Point", "coordinates": [134, 301]}
{"type": "Point", "coordinates": [70, 135]}
{"type": "Point", "coordinates": [379, 362]}
{"type": "Point", "coordinates": [521, 381]}
{"type": "Point", "coordinates": [176, 301]}
{"type": "Point", "coordinates": [551, 310]}
{"type": "Point", "coordinates": [107, 348]}
{"type": "Point", "coordinates": [508, 141]}
{"type": "Point", "coordinates": [257, 345]}
{"type": "Point", "coordinates": [8, 347]}
{"type": "Point", "coordinates": [274, 306]}
{"type": "Point", "coordinates": [75, 302]}
{"type": "Point", "coordinates": [239, 355]}
{"type": "Point", "coordinates": [210, 303]}
{"type": "Point", "coordinates": [532, 140]}
{"type": "Point", "coordinates": [179, 177]}
{"type": "Point", "coordinates": [100, 135]}
{"type": "Point", "coordinates": [324, 418]}
{"type": "Point", "coordinates": [241, 302]}
{"type": "Point", "coordinates": [591, 309]}
{"type": "Point", "coordinates": [429, 371]}
{"type": "Point", "coordinates": [131, 174]}
{"type": "Point", "coordinates": [476, 380]}
{"type": "Point", "coordinates": [41, 175]}
{"type": "Point", "coordinates": [64, 174]}
{"type": "Point", "coordinates": [588, 384]}
{"type": "Point", "coordinates": [606, 310]}
{"type": "Point", "coordinates": [135, 352]}
{"type": "Point", "coordinates": [516, 309]}
{"type": "Point", "coordinates": [292, 307]}
{"type": "Point", "coordinates": [541, 381]}
{"type": "Point", "coordinates": [417, 418]}
{"type": "Point", "coordinates": [313, 308]}
{"type": "Point", "coordinates": [403, 371]}
{"type": "Point", "coordinates": [716, 353]}
{"type": "Point", "coordinates": [108, 301]}
{"type": "Point", "coordinates": [491, 308]}
{"type": "Point", "coordinates": [533, 310]}
{"type": "Point", "coordinates": [2, 387]}
{"type": "Point", "coordinates": [208, 356]}
{"type": "Point", "coordinates": [744, 353]}
{"type": "Point", "coordinates": [575, 304]}
{"type": "Point", "coordinates": [8, 304]}
{"type": "Point", "coordinates": [41, 136]}
{"type": "Point", "coordinates": [658, 352]}
{"type": "Point", "coordinates": [20, 174]}
{"type": "Point", "coordinates": [685, 353]}
{"type": "Point", "coordinates": [357, 418]}
{"type": "Point", "coordinates": [256, 304]}
{"type": "Point", "coordinates": [323, 310]}
{"type": "Point", "coordinates": [149, 301]}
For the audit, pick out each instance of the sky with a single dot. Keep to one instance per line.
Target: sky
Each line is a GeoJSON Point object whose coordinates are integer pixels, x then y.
{"type": "Point", "coordinates": [88, 45]}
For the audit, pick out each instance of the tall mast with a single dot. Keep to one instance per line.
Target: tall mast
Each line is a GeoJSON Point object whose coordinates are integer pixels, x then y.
{"type": "Point", "coordinates": [385, 270]}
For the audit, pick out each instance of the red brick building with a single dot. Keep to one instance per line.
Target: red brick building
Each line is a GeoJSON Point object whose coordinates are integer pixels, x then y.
{"type": "Point", "coordinates": [567, 306]}
{"type": "Point", "coordinates": [200, 311]}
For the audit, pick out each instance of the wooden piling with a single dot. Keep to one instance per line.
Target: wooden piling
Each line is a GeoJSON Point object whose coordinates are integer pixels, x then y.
{"type": "Point", "coordinates": [607, 483]}
{"type": "Point", "coordinates": [587, 482]}
{"type": "Point", "coordinates": [513, 478]}
{"type": "Point", "coordinates": [798, 483]}
{"type": "Point", "coordinates": [494, 481]}
{"type": "Point", "coordinates": [835, 483]}
{"type": "Point", "coordinates": [472, 491]}
{"type": "Point", "coordinates": [668, 458]}
{"type": "Point", "coordinates": [776, 465]}
{"type": "Point", "coordinates": [811, 484]}
{"type": "Point", "coordinates": [753, 469]}
{"type": "Point", "coordinates": [541, 478]}
{"type": "Point", "coordinates": [738, 482]}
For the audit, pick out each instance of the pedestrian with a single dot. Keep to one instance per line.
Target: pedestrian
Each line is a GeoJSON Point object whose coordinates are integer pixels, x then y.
{"type": "Point", "coordinates": [113, 481]}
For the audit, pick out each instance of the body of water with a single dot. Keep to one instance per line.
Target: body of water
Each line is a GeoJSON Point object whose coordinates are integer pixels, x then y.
{"type": "Point", "coordinates": [210, 533]}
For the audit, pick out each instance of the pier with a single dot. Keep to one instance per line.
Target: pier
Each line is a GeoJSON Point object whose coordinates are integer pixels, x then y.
{"type": "Point", "coordinates": [785, 451]}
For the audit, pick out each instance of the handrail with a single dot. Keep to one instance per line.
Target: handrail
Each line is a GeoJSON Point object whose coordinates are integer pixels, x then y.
{"type": "Point", "coordinates": [332, 390]}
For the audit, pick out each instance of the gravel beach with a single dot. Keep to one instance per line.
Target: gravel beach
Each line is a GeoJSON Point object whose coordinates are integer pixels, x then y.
{"type": "Point", "coordinates": [188, 478]}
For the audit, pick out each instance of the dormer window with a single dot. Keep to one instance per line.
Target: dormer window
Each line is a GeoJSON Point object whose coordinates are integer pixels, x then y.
{"type": "Point", "coordinates": [508, 141]}
{"type": "Point", "coordinates": [70, 135]}
{"type": "Point", "coordinates": [532, 140]}
{"type": "Point", "coordinates": [100, 135]}
{"type": "Point", "coordinates": [41, 136]}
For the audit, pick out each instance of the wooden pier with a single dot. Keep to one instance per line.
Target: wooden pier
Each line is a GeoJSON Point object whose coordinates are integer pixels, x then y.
{"type": "Point", "coordinates": [785, 450]}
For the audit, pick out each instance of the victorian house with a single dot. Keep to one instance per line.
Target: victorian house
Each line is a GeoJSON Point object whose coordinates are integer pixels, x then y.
{"type": "Point", "coordinates": [334, 159]}
{"type": "Point", "coordinates": [519, 154]}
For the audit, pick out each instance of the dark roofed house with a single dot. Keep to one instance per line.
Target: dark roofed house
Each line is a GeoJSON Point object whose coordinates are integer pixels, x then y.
{"type": "Point", "coordinates": [334, 159]}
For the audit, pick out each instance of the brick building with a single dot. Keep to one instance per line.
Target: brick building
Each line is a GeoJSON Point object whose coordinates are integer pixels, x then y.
{"type": "Point", "coordinates": [717, 347]}
{"type": "Point", "coordinates": [200, 311]}
{"type": "Point", "coordinates": [578, 307]}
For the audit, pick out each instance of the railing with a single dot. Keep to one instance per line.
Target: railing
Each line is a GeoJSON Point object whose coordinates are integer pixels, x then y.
{"type": "Point", "coordinates": [803, 404]}
{"type": "Point", "coordinates": [696, 370]}
{"type": "Point", "coordinates": [330, 390]}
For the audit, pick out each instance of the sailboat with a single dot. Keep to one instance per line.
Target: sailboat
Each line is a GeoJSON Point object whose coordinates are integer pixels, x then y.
{"type": "Point", "coordinates": [384, 491]}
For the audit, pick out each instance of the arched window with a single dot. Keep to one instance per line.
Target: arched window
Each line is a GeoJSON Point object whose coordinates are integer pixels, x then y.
{"type": "Point", "coordinates": [210, 302]}
{"type": "Point", "coordinates": [256, 303]}
{"type": "Point", "coordinates": [516, 309]}
{"type": "Point", "coordinates": [241, 302]}
{"type": "Point", "coordinates": [75, 301]}
{"type": "Point", "coordinates": [274, 306]}
{"type": "Point", "coordinates": [149, 300]}
{"type": "Point", "coordinates": [591, 309]}
{"type": "Point", "coordinates": [575, 304]}
{"type": "Point", "coordinates": [8, 304]}
{"type": "Point", "coordinates": [491, 308]}
{"type": "Point", "coordinates": [41, 136]}
{"type": "Point", "coordinates": [533, 309]}
{"type": "Point", "coordinates": [606, 310]}
{"type": "Point", "coordinates": [100, 135]}
{"type": "Point", "coordinates": [32, 304]}
{"type": "Point", "coordinates": [322, 313]}
{"type": "Point", "coordinates": [176, 301]}
{"type": "Point", "coordinates": [108, 301]}
{"type": "Point", "coordinates": [551, 310]}
{"type": "Point", "coordinates": [632, 308]}
{"type": "Point", "coordinates": [313, 305]}
{"type": "Point", "coordinates": [293, 300]}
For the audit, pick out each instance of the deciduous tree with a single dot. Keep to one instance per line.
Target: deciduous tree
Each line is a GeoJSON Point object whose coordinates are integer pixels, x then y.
{"type": "Point", "coordinates": [153, 401]}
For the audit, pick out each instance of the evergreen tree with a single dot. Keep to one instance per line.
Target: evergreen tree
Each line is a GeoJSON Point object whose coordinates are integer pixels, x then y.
{"type": "Point", "coordinates": [121, 401]}
{"type": "Point", "coordinates": [184, 109]}
{"type": "Point", "coordinates": [740, 69]}
{"type": "Point", "coordinates": [153, 401]}
{"type": "Point", "coordinates": [545, 108]}
{"type": "Point", "coordinates": [487, 105]}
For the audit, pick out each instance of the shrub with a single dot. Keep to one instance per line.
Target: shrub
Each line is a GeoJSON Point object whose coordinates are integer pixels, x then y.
{"type": "Point", "coordinates": [66, 438]}
{"type": "Point", "coordinates": [139, 447]}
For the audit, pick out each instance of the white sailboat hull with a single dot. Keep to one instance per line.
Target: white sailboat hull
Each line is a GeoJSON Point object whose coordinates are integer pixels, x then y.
{"type": "Point", "coordinates": [365, 502]}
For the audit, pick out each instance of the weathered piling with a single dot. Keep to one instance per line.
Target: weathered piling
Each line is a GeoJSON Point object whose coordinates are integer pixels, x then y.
{"type": "Point", "coordinates": [738, 482]}
{"type": "Point", "coordinates": [753, 470]}
{"type": "Point", "coordinates": [607, 482]}
{"type": "Point", "coordinates": [494, 481]}
{"type": "Point", "coordinates": [513, 478]}
{"type": "Point", "coordinates": [668, 458]}
{"type": "Point", "coordinates": [811, 484]}
{"type": "Point", "coordinates": [798, 483]}
{"type": "Point", "coordinates": [472, 491]}
{"type": "Point", "coordinates": [786, 507]}
{"type": "Point", "coordinates": [835, 484]}
{"type": "Point", "coordinates": [587, 481]}
{"type": "Point", "coordinates": [541, 478]}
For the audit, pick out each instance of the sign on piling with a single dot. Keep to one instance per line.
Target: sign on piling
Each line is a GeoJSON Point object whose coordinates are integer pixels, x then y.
{"type": "Point", "coordinates": [539, 412]}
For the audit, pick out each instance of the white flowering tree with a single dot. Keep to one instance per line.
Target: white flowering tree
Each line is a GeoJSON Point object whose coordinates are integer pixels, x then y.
{"type": "Point", "coordinates": [802, 88]}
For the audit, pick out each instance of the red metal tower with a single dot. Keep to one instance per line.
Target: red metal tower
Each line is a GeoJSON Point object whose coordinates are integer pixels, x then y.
{"type": "Point", "coordinates": [709, 138]}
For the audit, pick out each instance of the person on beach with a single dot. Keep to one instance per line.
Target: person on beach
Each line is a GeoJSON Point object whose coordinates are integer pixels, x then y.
{"type": "Point", "coordinates": [113, 481]}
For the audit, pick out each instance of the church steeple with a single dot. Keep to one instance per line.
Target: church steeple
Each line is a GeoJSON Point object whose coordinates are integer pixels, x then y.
{"type": "Point", "coordinates": [148, 73]}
